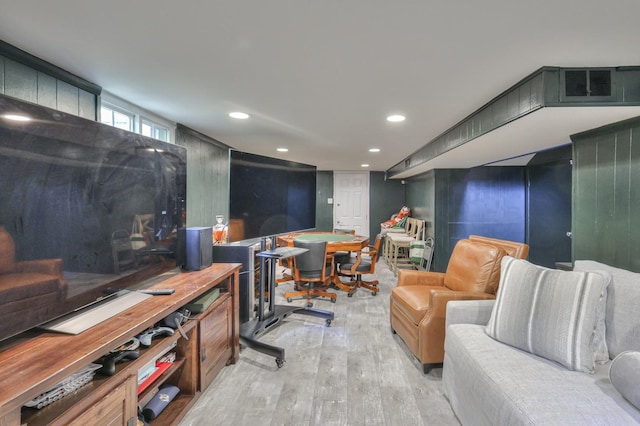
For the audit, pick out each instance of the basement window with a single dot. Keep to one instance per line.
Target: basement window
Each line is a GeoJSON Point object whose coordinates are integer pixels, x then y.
{"type": "Point", "coordinates": [154, 130]}
{"type": "Point", "coordinates": [117, 117]}
{"type": "Point", "coordinates": [122, 114]}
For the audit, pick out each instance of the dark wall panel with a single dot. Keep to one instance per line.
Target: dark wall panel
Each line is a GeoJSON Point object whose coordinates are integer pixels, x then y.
{"type": "Point", "coordinates": [24, 82]}
{"type": "Point", "coordinates": [324, 191]}
{"type": "Point", "coordinates": [385, 199]}
{"type": "Point", "coordinates": [421, 199]}
{"type": "Point", "coordinates": [207, 177]}
{"type": "Point", "coordinates": [549, 213]}
{"type": "Point", "coordinates": [606, 198]}
{"type": "Point", "coordinates": [21, 81]}
{"type": "Point", "coordinates": [486, 201]}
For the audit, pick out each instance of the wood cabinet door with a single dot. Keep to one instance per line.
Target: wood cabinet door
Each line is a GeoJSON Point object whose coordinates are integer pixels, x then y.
{"type": "Point", "coordinates": [215, 341]}
{"type": "Point", "coordinates": [118, 407]}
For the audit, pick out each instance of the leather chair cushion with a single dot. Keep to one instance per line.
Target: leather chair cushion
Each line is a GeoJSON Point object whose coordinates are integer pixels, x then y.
{"type": "Point", "coordinates": [413, 300]}
{"type": "Point", "coordinates": [474, 266]}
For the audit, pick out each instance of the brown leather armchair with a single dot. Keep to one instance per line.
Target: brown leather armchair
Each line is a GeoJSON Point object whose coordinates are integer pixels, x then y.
{"type": "Point", "coordinates": [418, 303]}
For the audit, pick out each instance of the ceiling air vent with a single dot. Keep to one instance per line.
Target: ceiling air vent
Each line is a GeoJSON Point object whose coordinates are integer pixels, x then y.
{"type": "Point", "coordinates": [589, 84]}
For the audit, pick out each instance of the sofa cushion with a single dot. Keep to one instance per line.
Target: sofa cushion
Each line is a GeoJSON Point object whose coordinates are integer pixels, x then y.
{"type": "Point", "coordinates": [490, 383]}
{"type": "Point", "coordinates": [624, 373]}
{"type": "Point", "coordinates": [550, 313]}
{"type": "Point", "coordinates": [623, 299]}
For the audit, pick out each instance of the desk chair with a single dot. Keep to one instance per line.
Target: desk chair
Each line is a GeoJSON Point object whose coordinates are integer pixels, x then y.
{"type": "Point", "coordinates": [287, 265]}
{"type": "Point", "coordinates": [341, 256]}
{"type": "Point", "coordinates": [312, 270]}
{"type": "Point", "coordinates": [356, 267]}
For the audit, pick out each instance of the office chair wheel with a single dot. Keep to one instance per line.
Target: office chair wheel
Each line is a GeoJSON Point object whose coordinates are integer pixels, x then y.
{"type": "Point", "coordinates": [309, 305]}
{"type": "Point", "coordinates": [289, 299]}
{"type": "Point", "coordinates": [328, 322]}
{"type": "Point", "coordinates": [333, 300]}
{"type": "Point", "coordinates": [279, 362]}
{"type": "Point", "coordinates": [349, 294]}
{"type": "Point", "coordinates": [374, 293]}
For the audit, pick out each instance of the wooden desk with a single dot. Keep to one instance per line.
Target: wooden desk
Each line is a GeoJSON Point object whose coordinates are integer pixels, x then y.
{"type": "Point", "coordinates": [335, 243]}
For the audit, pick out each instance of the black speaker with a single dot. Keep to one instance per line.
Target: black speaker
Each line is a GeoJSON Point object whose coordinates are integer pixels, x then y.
{"type": "Point", "coordinates": [195, 247]}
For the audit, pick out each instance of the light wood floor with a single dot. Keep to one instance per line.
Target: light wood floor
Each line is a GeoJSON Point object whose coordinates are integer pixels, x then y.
{"type": "Point", "coordinates": [355, 372]}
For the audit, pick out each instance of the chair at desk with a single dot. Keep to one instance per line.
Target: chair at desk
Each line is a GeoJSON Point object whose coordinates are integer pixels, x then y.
{"type": "Point", "coordinates": [287, 270]}
{"type": "Point", "coordinates": [312, 270]}
{"type": "Point", "coordinates": [356, 267]}
{"type": "Point", "coordinates": [342, 256]}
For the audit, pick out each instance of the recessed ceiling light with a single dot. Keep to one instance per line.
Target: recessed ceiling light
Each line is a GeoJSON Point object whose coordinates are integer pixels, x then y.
{"type": "Point", "coordinates": [364, 165]}
{"type": "Point", "coordinates": [282, 149]}
{"type": "Point", "coordinates": [395, 118]}
{"type": "Point", "coordinates": [374, 149]}
{"type": "Point", "coordinates": [16, 117]}
{"type": "Point", "coordinates": [239, 115]}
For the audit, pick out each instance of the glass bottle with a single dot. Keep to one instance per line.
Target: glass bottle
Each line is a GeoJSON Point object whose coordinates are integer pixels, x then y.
{"type": "Point", "coordinates": [220, 230]}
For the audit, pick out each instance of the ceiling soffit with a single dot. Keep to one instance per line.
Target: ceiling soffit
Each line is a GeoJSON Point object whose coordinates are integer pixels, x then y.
{"type": "Point", "coordinates": [546, 87]}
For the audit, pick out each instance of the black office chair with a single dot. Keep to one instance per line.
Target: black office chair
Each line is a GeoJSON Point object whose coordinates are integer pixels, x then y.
{"type": "Point", "coordinates": [342, 256]}
{"type": "Point", "coordinates": [365, 263]}
{"type": "Point", "coordinates": [312, 272]}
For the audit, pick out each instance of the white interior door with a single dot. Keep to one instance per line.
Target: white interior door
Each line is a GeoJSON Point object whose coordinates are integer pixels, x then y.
{"type": "Point", "coordinates": [351, 201]}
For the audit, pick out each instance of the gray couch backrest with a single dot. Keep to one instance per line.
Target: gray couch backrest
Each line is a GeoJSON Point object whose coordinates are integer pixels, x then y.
{"type": "Point", "coordinates": [623, 300]}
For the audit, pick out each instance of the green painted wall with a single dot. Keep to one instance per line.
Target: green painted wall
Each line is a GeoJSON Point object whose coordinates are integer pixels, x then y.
{"type": "Point", "coordinates": [207, 177]}
{"type": "Point", "coordinates": [324, 210]}
{"type": "Point", "coordinates": [606, 195]}
{"type": "Point", "coordinates": [421, 199]}
{"type": "Point", "coordinates": [26, 83]}
{"type": "Point", "coordinates": [385, 198]}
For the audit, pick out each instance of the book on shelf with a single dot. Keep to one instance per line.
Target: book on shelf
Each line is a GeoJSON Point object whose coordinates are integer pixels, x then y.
{"type": "Point", "coordinates": [161, 367]}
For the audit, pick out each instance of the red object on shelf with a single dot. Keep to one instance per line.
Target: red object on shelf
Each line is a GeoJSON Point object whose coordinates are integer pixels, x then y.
{"type": "Point", "coordinates": [162, 367]}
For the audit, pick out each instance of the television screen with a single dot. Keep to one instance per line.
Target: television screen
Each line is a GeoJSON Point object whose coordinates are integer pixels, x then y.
{"type": "Point", "coordinates": [269, 196]}
{"type": "Point", "coordinates": [84, 207]}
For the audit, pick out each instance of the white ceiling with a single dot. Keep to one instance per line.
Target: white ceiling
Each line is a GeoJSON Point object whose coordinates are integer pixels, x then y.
{"type": "Point", "coordinates": [319, 77]}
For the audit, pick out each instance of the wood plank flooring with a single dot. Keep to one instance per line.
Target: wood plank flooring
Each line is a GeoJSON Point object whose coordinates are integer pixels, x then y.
{"type": "Point", "coordinates": [355, 372]}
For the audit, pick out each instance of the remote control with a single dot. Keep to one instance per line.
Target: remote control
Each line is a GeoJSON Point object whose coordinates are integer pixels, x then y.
{"type": "Point", "coordinates": [158, 291]}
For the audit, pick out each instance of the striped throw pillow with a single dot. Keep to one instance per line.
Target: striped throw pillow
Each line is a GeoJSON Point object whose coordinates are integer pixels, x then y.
{"type": "Point", "coordinates": [550, 313]}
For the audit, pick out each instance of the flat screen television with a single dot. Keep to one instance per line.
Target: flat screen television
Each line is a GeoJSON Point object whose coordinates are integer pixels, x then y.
{"type": "Point", "coordinates": [270, 196]}
{"type": "Point", "coordinates": [72, 193]}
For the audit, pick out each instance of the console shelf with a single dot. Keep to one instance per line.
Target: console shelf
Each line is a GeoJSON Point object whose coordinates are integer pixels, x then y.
{"type": "Point", "coordinates": [39, 360]}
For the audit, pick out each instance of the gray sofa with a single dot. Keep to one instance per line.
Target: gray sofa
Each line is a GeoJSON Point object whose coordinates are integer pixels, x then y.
{"type": "Point", "coordinates": [489, 382]}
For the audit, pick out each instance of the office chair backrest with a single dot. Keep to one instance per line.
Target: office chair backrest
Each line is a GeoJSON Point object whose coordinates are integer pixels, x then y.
{"type": "Point", "coordinates": [312, 262]}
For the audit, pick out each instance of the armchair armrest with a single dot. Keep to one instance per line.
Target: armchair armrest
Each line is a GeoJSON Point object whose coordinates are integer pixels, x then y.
{"type": "Point", "coordinates": [469, 311]}
{"type": "Point", "coordinates": [440, 298]}
{"type": "Point", "coordinates": [413, 277]}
